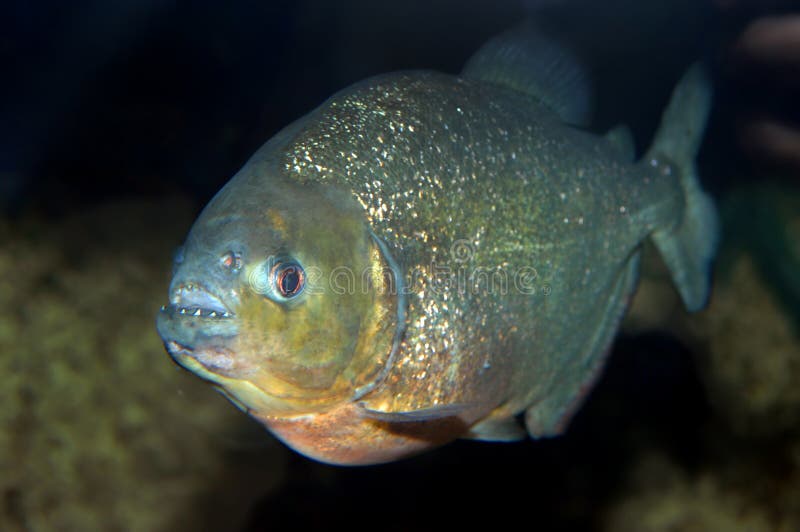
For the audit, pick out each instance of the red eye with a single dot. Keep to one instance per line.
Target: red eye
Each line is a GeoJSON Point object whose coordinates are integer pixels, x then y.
{"type": "Point", "coordinates": [289, 279]}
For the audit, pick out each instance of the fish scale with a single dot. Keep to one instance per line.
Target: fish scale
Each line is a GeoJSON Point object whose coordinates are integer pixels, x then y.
{"type": "Point", "coordinates": [462, 256]}
{"type": "Point", "coordinates": [550, 205]}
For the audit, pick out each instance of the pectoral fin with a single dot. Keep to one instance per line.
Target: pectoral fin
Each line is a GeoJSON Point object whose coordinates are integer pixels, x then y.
{"type": "Point", "coordinates": [423, 414]}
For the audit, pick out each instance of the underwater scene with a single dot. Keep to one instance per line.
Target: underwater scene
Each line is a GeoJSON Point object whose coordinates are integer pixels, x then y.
{"type": "Point", "coordinates": [498, 262]}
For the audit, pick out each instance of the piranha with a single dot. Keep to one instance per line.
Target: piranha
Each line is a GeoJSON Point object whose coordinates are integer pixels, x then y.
{"type": "Point", "coordinates": [428, 257]}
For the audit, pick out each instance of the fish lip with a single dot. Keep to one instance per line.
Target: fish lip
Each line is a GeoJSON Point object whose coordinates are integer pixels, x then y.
{"type": "Point", "coordinates": [214, 359]}
{"type": "Point", "coordinates": [177, 349]}
{"type": "Point", "coordinates": [194, 300]}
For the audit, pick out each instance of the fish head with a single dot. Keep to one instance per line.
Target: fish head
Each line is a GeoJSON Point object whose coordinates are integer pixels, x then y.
{"type": "Point", "coordinates": [282, 296]}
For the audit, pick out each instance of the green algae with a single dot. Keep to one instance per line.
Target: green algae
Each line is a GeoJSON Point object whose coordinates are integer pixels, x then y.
{"type": "Point", "coordinates": [746, 348]}
{"type": "Point", "coordinates": [100, 430]}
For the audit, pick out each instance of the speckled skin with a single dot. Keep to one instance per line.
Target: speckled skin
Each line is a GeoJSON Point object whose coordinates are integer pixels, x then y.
{"type": "Point", "coordinates": [458, 176]}
{"type": "Point", "coordinates": [512, 237]}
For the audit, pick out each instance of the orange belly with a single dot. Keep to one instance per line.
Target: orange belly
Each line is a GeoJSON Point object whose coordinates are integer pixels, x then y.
{"type": "Point", "coordinates": [343, 436]}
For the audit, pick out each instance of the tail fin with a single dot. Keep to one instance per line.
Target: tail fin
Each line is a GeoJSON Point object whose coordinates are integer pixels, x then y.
{"type": "Point", "coordinates": [688, 248]}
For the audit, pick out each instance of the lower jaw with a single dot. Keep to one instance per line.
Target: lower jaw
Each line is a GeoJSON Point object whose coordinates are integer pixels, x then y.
{"type": "Point", "coordinates": [207, 363]}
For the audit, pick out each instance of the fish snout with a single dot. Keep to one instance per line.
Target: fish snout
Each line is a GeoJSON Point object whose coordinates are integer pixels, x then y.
{"type": "Point", "coordinates": [196, 323]}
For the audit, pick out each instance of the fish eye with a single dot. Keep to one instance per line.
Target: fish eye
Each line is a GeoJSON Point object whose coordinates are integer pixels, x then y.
{"type": "Point", "coordinates": [288, 279]}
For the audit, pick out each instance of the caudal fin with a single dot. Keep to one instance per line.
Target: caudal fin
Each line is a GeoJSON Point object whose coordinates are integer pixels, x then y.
{"type": "Point", "coordinates": [688, 247]}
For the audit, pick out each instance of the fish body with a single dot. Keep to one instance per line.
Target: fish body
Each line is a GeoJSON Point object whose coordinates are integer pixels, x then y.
{"type": "Point", "coordinates": [426, 256]}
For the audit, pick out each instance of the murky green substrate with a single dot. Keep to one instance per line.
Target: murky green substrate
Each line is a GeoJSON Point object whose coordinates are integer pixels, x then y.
{"type": "Point", "coordinates": [99, 430]}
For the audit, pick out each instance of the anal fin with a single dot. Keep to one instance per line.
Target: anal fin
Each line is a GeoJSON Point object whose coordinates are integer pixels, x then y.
{"type": "Point", "coordinates": [550, 416]}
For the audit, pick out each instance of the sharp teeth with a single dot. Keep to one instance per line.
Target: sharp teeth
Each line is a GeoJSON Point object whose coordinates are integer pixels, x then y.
{"type": "Point", "coordinates": [201, 312]}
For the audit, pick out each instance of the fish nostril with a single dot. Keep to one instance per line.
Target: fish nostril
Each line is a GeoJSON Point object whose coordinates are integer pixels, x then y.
{"type": "Point", "coordinates": [231, 261]}
{"type": "Point", "coordinates": [178, 256]}
{"type": "Point", "coordinates": [177, 259]}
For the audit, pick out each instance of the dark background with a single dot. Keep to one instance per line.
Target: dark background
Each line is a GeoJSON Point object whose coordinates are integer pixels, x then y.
{"type": "Point", "coordinates": [106, 100]}
{"type": "Point", "coordinates": [103, 99]}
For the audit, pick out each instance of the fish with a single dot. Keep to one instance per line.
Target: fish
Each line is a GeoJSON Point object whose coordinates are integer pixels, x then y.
{"type": "Point", "coordinates": [426, 256]}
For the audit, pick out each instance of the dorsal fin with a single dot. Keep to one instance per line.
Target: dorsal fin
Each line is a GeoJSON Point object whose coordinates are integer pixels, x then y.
{"type": "Point", "coordinates": [526, 59]}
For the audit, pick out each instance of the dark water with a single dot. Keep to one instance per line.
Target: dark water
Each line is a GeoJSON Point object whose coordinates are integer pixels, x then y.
{"type": "Point", "coordinates": [118, 121]}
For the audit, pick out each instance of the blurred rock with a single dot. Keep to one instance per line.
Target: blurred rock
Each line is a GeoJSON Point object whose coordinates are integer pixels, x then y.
{"type": "Point", "coordinates": [662, 497]}
{"type": "Point", "coordinates": [746, 346]}
{"type": "Point", "coordinates": [656, 304]}
{"type": "Point", "coordinates": [746, 341]}
{"type": "Point", "coordinates": [99, 430]}
{"type": "Point", "coordinates": [751, 362]}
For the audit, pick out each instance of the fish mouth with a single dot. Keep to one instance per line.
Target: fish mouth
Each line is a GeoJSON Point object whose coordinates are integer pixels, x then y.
{"type": "Point", "coordinates": [194, 300]}
{"type": "Point", "coordinates": [198, 329]}
{"type": "Point", "coordinates": [214, 360]}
